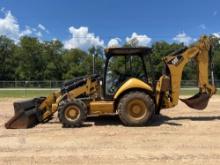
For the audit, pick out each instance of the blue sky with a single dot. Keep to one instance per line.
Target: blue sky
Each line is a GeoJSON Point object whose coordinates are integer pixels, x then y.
{"type": "Point", "coordinates": [120, 20]}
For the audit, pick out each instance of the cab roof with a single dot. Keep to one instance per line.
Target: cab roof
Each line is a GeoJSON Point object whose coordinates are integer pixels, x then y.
{"type": "Point", "coordinates": [127, 51]}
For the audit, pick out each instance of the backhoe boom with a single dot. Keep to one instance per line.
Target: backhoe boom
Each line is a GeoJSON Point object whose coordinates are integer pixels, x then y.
{"type": "Point", "coordinates": [175, 64]}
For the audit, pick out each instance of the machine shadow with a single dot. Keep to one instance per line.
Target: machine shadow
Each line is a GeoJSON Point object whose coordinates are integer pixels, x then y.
{"type": "Point", "coordinates": [156, 121]}
{"type": "Point", "coordinates": [115, 120]}
{"type": "Point", "coordinates": [162, 119]}
{"type": "Point", "coordinates": [105, 120]}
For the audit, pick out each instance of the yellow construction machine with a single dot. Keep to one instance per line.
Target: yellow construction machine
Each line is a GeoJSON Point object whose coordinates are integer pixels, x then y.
{"type": "Point", "coordinates": [127, 89]}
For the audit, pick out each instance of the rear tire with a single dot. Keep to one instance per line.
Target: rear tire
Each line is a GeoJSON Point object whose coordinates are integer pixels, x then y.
{"type": "Point", "coordinates": [136, 109]}
{"type": "Point", "coordinates": [72, 113]}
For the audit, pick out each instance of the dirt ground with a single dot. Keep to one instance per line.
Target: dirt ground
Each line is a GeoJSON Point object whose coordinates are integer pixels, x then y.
{"type": "Point", "coordinates": [178, 136]}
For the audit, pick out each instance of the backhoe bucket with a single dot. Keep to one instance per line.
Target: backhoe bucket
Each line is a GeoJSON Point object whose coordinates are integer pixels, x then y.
{"type": "Point", "coordinates": [26, 114]}
{"type": "Point", "coordinates": [198, 101]}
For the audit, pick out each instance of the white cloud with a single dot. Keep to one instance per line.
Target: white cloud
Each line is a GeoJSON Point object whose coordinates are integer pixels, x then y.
{"type": "Point", "coordinates": [142, 40]}
{"type": "Point", "coordinates": [82, 38]}
{"type": "Point", "coordinates": [31, 31]}
{"type": "Point", "coordinates": [39, 34]}
{"type": "Point", "coordinates": [217, 34]}
{"type": "Point", "coordinates": [203, 26]}
{"type": "Point", "coordinates": [10, 27]}
{"type": "Point", "coordinates": [27, 31]}
{"type": "Point", "coordinates": [43, 28]}
{"type": "Point", "coordinates": [114, 42]}
{"type": "Point", "coordinates": [54, 39]}
{"type": "Point", "coordinates": [183, 38]}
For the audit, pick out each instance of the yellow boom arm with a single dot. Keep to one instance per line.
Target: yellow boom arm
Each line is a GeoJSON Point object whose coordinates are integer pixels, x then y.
{"type": "Point", "coordinates": [175, 65]}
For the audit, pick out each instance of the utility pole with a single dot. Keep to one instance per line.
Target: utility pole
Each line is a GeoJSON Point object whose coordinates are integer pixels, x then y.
{"type": "Point", "coordinates": [93, 63]}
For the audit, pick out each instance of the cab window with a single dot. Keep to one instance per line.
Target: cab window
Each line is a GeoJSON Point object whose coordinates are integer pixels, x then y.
{"type": "Point", "coordinates": [122, 68]}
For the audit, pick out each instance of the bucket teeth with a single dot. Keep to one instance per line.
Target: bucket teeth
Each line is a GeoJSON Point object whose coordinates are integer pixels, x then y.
{"type": "Point", "coordinates": [198, 101]}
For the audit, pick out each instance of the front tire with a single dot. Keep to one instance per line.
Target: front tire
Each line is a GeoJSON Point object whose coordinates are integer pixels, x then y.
{"type": "Point", "coordinates": [72, 113]}
{"type": "Point", "coordinates": [136, 109]}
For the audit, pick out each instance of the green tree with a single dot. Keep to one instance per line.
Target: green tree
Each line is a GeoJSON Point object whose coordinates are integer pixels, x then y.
{"type": "Point", "coordinates": [216, 58]}
{"type": "Point", "coordinates": [74, 63]}
{"type": "Point", "coordinates": [52, 56]}
{"type": "Point", "coordinates": [161, 49]}
{"type": "Point", "coordinates": [7, 67]}
{"type": "Point", "coordinates": [30, 61]}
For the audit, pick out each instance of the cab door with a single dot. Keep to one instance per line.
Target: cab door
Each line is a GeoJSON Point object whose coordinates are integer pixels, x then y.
{"type": "Point", "coordinates": [120, 69]}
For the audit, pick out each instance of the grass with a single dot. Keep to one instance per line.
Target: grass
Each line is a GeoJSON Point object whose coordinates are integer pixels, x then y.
{"type": "Point", "coordinates": [30, 93]}
{"type": "Point", "coordinates": [25, 93]}
{"type": "Point", "coordinates": [193, 91]}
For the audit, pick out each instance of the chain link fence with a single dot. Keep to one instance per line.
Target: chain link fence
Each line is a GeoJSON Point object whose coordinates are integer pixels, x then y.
{"type": "Point", "coordinates": [31, 84]}
{"type": "Point", "coordinates": [194, 83]}
{"type": "Point", "coordinates": [58, 84]}
{"type": "Point", "coordinates": [32, 89]}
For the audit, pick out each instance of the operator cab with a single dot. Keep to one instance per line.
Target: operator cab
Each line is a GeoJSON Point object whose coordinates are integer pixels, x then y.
{"type": "Point", "coordinates": [125, 63]}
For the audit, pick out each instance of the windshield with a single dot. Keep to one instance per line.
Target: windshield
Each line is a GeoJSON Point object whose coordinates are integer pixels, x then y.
{"type": "Point", "coordinates": [120, 69]}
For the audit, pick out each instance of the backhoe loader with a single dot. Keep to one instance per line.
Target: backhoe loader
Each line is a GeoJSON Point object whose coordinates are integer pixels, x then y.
{"type": "Point", "coordinates": [127, 89]}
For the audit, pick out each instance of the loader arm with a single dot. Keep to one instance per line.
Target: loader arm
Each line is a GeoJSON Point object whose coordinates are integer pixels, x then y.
{"type": "Point", "coordinates": [38, 110]}
{"type": "Point", "coordinates": [174, 68]}
{"type": "Point", "coordinates": [87, 86]}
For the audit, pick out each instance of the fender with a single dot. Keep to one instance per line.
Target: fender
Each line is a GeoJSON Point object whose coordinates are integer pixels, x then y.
{"type": "Point", "coordinates": [132, 83]}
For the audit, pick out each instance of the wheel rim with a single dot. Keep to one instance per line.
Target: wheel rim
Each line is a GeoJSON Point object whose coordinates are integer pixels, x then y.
{"type": "Point", "coordinates": [136, 109]}
{"type": "Point", "coordinates": [72, 113]}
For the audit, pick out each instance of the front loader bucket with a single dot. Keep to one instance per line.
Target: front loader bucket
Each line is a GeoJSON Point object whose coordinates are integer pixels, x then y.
{"type": "Point", "coordinates": [198, 101]}
{"type": "Point", "coordinates": [26, 114]}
